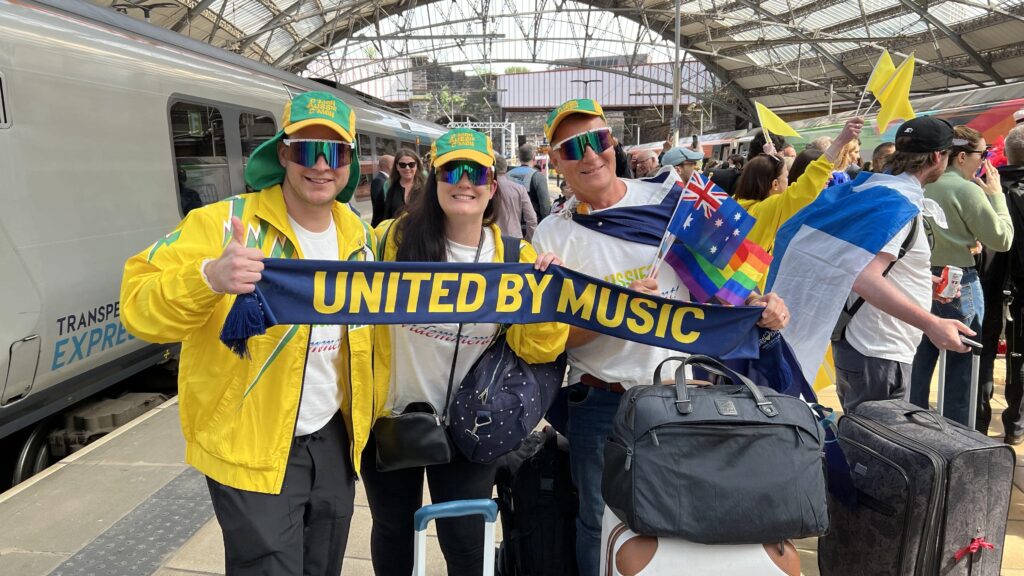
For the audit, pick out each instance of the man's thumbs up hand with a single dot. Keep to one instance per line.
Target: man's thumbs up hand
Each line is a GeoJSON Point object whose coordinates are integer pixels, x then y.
{"type": "Point", "coordinates": [239, 268]}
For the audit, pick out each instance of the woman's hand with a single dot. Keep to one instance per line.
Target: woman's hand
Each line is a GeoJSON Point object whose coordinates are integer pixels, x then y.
{"type": "Point", "coordinates": [769, 148]}
{"type": "Point", "coordinates": [546, 259]}
{"type": "Point", "coordinates": [992, 184]}
{"type": "Point", "coordinates": [851, 131]}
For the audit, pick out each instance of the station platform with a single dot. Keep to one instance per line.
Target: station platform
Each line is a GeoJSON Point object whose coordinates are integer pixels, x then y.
{"type": "Point", "coordinates": [128, 505]}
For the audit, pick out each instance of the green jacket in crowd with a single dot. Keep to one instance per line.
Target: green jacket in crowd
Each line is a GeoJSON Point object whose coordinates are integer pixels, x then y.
{"type": "Point", "coordinates": [972, 215]}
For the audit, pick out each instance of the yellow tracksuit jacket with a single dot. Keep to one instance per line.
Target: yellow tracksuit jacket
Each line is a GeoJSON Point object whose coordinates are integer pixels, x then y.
{"type": "Point", "coordinates": [238, 416]}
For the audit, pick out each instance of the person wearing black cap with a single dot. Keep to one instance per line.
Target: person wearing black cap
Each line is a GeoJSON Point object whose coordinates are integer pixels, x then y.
{"type": "Point", "coordinates": [874, 355]}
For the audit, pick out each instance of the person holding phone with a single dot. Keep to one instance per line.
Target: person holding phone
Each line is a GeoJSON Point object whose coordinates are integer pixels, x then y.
{"type": "Point", "coordinates": [976, 212]}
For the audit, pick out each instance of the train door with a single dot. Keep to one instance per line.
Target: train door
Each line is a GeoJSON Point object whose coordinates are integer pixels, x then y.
{"type": "Point", "coordinates": [19, 316]}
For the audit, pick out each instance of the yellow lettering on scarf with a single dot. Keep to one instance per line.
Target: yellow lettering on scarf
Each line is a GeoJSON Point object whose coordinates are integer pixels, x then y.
{"type": "Point", "coordinates": [578, 303]}
{"type": "Point", "coordinates": [414, 279]}
{"type": "Point", "coordinates": [320, 292]}
{"type": "Point", "coordinates": [363, 292]}
{"type": "Point", "coordinates": [509, 297]}
{"type": "Point", "coordinates": [602, 309]}
{"type": "Point", "coordinates": [638, 307]}
{"type": "Point", "coordinates": [663, 317]}
{"type": "Point", "coordinates": [677, 325]}
{"type": "Point", "coordinates": [464, 305]}
{"type": "Point", "coordinates": [537, 289]}
{"type": "Point", "coordinates": [392, 299]}
{"type": "Point", "coordinates": [438, 291]}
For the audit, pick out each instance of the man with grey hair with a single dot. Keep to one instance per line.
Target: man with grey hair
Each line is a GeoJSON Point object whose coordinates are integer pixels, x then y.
{"type": "Point", "coordinates": [821, 143]}
{"type": "Point", "coordinates": [646, 163]}
{"type": "Point", "coordinates": [1000, 272]}
{"type": "Point", "coordinates": [536, 183]}
{"type": "Point", "coordinates": [515, 211]}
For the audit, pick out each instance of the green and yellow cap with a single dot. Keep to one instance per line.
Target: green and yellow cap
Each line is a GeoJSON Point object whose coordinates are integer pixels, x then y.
{"type": "Point", "coordinates": [462, 144]}
{"type": "Point", "coordinates": [306, 109]}
{"type": "Point", "coordinates": [575, 106]}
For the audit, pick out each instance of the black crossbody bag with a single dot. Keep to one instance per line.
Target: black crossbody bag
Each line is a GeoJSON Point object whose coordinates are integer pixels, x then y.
{"type": "Point", "coordinates": [418, 436]}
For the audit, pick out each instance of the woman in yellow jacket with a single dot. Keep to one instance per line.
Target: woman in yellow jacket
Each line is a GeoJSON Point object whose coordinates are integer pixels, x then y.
{"type": "Point", "coordinates": [764, 190]}
{"type": "Point", "coordinates": [451, 220]}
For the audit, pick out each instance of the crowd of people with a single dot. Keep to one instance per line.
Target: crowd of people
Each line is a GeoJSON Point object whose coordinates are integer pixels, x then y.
{"type": "Point", "coordinates": [283, 434]}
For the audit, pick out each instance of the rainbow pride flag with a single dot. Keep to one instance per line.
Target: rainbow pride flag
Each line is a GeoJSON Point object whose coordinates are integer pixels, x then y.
{"type": "Point", "coordinates": [729, 285]}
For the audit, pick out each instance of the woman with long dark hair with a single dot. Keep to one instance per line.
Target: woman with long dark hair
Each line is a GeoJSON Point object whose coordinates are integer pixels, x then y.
{"type": "Point", "coordinates": [405, 181]}
{"type": "Point", "coordinates": [452, 220]}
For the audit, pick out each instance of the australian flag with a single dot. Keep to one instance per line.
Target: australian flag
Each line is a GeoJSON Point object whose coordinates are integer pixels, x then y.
{"type": "Point", "coordinates": [708, 221]}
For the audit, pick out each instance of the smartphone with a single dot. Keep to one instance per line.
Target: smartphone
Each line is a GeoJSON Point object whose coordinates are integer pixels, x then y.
{"type": "Point", "coordinates": [981, 172]}
{"type": "Point", "coordinates": [970, 342]}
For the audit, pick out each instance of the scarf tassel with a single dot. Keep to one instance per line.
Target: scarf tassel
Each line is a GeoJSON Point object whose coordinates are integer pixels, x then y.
{"type": "Point", "coordinates": [246, 319]}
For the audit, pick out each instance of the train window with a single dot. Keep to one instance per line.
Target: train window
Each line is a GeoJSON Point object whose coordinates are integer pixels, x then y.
{"type": "Point", "coordinates": [386, 146]}
{"type": "Point", "coordinates": [365, 142]}
{"type": "Point", "coordinates": [200, 154]}
{"type": "Point", "coordinates": [409, 145]}
{"type": "Point", "coordinates": [254, 129]}
{"type": "Point", "coordinates": [424, 149]}
{"type": "Point", "coordinates": [5, 112]}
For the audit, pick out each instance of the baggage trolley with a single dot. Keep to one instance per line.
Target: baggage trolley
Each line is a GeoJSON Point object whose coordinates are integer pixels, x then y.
{"type": "Point", "coordinates": [483, 507]}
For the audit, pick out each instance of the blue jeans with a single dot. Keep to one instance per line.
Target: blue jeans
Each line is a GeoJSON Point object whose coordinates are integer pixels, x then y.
{"type": "Point", "coordinates": [591, 411]}
{"type": "Point", "coordinates": [969, 308]}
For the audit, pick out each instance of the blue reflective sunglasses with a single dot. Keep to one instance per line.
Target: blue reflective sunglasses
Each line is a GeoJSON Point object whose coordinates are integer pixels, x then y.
{"type": "Point", "coordinates": [452, 172]}
{"type": "Point", "coordinates": [305, 152]}
{"type": "Point", "coordinates": [574, 147]}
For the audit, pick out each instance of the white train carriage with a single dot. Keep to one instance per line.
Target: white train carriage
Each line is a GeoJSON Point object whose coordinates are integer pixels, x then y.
{"type": "Point", "coordinates": [105, 122]}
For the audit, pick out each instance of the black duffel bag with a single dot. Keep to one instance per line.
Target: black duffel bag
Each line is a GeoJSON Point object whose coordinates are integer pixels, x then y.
{"type": "Point", "coordinates": [726, 464]}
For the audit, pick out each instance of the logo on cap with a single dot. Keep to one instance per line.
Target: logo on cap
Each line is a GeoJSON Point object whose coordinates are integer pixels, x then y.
{"type": "Point", "coordinates": [322, 107]}
{"type": "Point", "coordinates": [908, 130]}
{"type": "Point", "coordinates": [461, 139]}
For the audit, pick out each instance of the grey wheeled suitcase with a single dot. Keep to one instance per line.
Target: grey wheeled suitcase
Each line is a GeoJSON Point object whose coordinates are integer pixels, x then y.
{"type": "Point", "coordinates": [928, 496]}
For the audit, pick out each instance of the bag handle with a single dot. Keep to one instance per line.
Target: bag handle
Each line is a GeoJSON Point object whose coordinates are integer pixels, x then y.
{"type": "Point", "coordinates": [929, 415]}
{"type": "Point", "coordinates": [683, 403]}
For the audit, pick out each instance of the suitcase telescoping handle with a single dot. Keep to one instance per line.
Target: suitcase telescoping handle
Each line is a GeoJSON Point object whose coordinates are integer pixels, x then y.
{"type": "Point", "coordinates": [482, 507]}
{"type": "Point", "coordinates": [683, 403]}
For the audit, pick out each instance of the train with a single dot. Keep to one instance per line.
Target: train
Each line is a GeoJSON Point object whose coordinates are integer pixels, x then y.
{"type": "Point", "coordinates": [988, 110]}
{"type": "Point", "coordinates": [104, 122]}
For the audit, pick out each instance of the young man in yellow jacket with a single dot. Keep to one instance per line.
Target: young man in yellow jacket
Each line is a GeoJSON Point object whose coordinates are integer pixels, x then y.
{"type": "Point", "coordinates": [279, 435]}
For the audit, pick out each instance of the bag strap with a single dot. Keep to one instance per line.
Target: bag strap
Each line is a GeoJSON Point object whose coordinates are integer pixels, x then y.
{"type": "Point", "coordinates": [512, 248]}
{"type": "Point", "coordinates": [848, 311]}
{"type": "Point", "coordinates": [458, 338]}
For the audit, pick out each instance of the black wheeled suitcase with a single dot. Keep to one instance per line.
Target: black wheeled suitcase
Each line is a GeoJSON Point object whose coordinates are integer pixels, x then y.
{"type": "Point", "coordinates": [929, 497]}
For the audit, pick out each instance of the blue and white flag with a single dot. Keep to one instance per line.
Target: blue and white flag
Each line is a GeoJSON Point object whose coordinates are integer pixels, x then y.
{"type": "Point", "coordinates": [821, 250]}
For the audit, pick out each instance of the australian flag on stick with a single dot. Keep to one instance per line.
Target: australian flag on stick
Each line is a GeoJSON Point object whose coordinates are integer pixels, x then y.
{"type": "Point", "coordinates": [709, 222]}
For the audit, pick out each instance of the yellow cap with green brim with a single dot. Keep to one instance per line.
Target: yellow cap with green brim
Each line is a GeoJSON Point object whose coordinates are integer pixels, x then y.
{"type": "Point", "coordinates": [307, 109]}
{"type": "Point", "coordinates": [462, 144]}
{"type": "Point", "coordinates": [575, 106]}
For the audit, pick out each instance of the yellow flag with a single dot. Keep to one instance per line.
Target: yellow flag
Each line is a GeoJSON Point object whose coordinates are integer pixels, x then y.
{"type": "Point", "coordinates": [895, 96]}
{"type": "Point", "coordinates": [883, 71]}
{"type": "Point", "coordinates": [773, 124]}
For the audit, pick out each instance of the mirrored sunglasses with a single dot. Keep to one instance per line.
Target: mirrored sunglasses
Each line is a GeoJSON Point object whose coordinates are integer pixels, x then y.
{"type": "Point", "coordinates": [574, 147]}
{"type": "Point", "coordinates": [306, 152]}
{"type": "Point", "coordinates": [452, 173]}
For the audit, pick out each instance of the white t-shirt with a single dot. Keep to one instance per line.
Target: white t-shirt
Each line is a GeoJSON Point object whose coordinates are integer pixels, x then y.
{"type": "Point", "coordinates": [321, 394]}
{"type": "Point", "coordinates": [619, 262]}
{"type": "Point", "coordinates": [877, 334]}
{"type": "Point", "coordinates": [421, 354]}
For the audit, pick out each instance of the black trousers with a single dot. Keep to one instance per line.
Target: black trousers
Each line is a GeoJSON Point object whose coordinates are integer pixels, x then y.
{"type": "Point", "coordinates": [303, 530]}
{"type": "Point", "coordinates": [1013, 416]}
{"type": "Point", "coordinates": [395, 496]}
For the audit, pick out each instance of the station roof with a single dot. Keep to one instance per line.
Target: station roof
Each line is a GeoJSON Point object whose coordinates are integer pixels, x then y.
{"type": "Point", "coordinates": [783, 53]}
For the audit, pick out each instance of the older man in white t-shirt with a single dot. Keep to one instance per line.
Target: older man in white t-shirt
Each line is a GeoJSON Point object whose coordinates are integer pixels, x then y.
{"type": "Point", "coordinates": [602, 367]}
